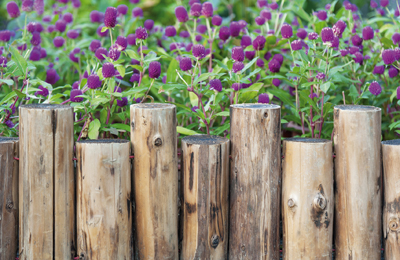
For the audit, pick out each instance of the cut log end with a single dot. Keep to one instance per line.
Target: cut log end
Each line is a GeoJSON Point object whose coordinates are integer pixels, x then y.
{"type": "Point", "coordinates": [204, 140]}
{"type": "Point", "coordinates": [255, 106]}
{"type": "Point", "coordinates": [45, 106]}
{"type": "Point", "coordinates": [357, 108]}
{"type": "Point", "coordinates": [153, 106]}
{"type": "Point", "coordinates": [307, 140]}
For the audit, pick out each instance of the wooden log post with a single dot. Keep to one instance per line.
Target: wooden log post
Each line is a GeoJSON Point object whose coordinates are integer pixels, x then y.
{"type": "Point", "coordinates": [46, 182]}
{"type": "Point", "coordinates": [307, 199]}
{"type": "Point", "coordinates": [206, 197]}
{"type": "Point", "coordinates": [154, 143]}
{"type": "Point", "coordinates": [104, 212]}
{"type": "Point", "coordinates": [8, 198]}
{"type": "Point", "coordinates": [255, 178]}
{"type": "Point", "coordinates": [391, 207]}
{"type": "Point", "coordinates": [357, 135]}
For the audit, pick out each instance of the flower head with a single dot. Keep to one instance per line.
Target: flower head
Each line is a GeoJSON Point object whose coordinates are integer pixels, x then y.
{"type": "Point", "coordinates": [274, 65]}
{"type": "Point", "coordinates": [72, 34]}
{"type": "Point", "coordinates": [93, 81]}
{"type": "Point", "coordinates": [121, 43]}
{"type": "Point", "coordinates": [52, 76]}
{"type": "Point", "coordinates": [356, 40]}
{"type": "Point", "coordinates": [297, 45]}
{"type": "Point", "coordinates": [379, 70]}
{"type": "Point", "coordinates": [260, 63]}
{"type": "Point", "coordinates": [259, 42]}
{"type": "Point", "coordinates": [358, 57]}
{"type": "Point", "coordinates": [131, 39]}
{"type": "Point", "coordinates": [35, 54]}
{"type": "Point", "coordinates": [313, 36]}
{"type": "Point", "coordinates": [215, 84]}
{"type": "Point", "coordinates": [100, 52]}
{"type": "Point", "coordinates": [398, 93]}
{"type": "Point", "coordinates": [320, 76]}
{"type": "Point", "coordinates": [36, 39]}
{"type": "Point", "coordinates": [322, 15]}
{"type": "Point", "coordinates": [276, 82]}
{"type": "Point", "coordinates": [286, 31]}
{"type": "Point", "coordinates": [13, 9]}
{"type": "Point", "coordinates": [301, 33]}
{"type": "Point", "coordinates": [260, 20]}
{"type": "Point", "coordinates": [181, 14]}
{"type": "Point", "coordinates": [100, 33]}
{"type": "Point", "coordinates": [96, 16]}
{"type": "Point", "coordinates": [237, 54]}
{"type": "Point", "coordinates": [246, 41]}
{"type": "Point", "coordinates": [224, 33]}
{"type": "Point", "coordinates": [236, 86]}
{"type": "Point", "coordinates": [110, 17]}
{"type": "Point", "coordinates": [368, 33]}
{"type": "Point", "coordinates": [3, 62]}
{"type": "Point", "coordinates": [207, 9]}
{"type": "Point", "coordinates": [74, 95]}
{"type": "Point", "coordinates": [237, 66]}
{"type": "Point", "coordinates": [137, 12]}
{"type": "Point", "coordinates": [94, 45]}
{"type": "Point", "coordinates": [68, 18]}
{"type": "Point", "coordinates": [384, 3]}
{"type": "Point", "coordinates": [327, 34]}
{"type": "Point", "coordinates": [375, 88]}
{"type": "Point", "coordinates": [250, 54]}
{"type": "Point", "coordinates": [61, 25]}
{"type": "Point", "coordinates": [339, 27]}
{"type": "Point", "coordinates": [263, 98]}
{"type": "Point", "coordinates": [108, 70]}
{"type": "Point", "coordinates": [122, 9]}
{"type": "Point", "coordinates": [195, 9]}
{"type": "Point", "coordinates": [114, 53]}
{"type": "Point", "coordinates": [216, 20]}
{"type": "Point", "coordinates": [198, 51]}
{"type": "Point", "coordinates": [235, 28]}
{"type": "Point", "coordinates": [141, 33]}
{"type": "Point", "coordinates": [185, 64]}
{"type": "Point", "coordinates": [149, 24]}
{"type": "Point", "coordinates": [27, 5]}
{"type": "Point", "coordinates": [154, 69]}
{"type": "Point", "coordinates": [266, 14]}
{"type": "Point", "coordinates": [135, 77]}
{"type": "Point", "coordinates": [388, 56]}
{"type": "Point", "coordinates": [393, 72]}
{"type": "Point", "coordinates": [5, 36]}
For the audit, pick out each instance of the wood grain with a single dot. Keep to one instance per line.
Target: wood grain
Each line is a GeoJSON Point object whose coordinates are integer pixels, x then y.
{"type": "Point", "coordinates": [391, 208]}
{"type": "Point", "coordinates": [154, 143]}
{"type": "Point", "coordinates": [8, 198]}
{"type": "Point", "coordinates": [46, 182]}
{"type": "Point", "coordinates": [357, 135]}
{"type": "Point", "coordinates": [206, 197]}
{"type": "Point", "coordinates": [307, 199]}
{"type": "Point", "coordinates": [255, 178]}
{"type": "Point", "coordinates": [104, 212]}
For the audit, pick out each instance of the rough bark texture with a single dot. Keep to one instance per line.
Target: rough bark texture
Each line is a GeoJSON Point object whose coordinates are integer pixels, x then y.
{"type": "Point", "coordinates": [8, 198]}
{"type": "Point", "coordinates": [104, 212]}
{"type": "Point", "coordinates": [206, 197]}
{"type": "Point", "coordinates": [307, 199]}
{"type": "Point", "coordinates": [154, 141]}
{"type": "Point", "coordinates": [391, 209]}
{"type": "Point", "coordinates": [46, 183]}
{"type": "Point", "coordinates": [358, 180]}
{"type": "Point", "coordinates": [255, 180]}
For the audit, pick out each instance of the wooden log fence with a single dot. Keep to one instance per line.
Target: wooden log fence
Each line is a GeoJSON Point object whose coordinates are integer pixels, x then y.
{"type": "Point", "coordinates": [115, 208]}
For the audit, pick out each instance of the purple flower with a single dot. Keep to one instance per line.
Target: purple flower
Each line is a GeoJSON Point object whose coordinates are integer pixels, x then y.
{"type": "Point", "coordinates": [51, 28]}
{"type": "Point", "coordinates": [13, 9]}
{"type": "Point", "coordinates": [286, 31]}
{"type": "Point", "coordinates": [134, 1]}
{"type": "Point", "coordinates": [328, 6]}
{"type": "Point", "coordinates": [216, 20]}
{"type": "Point", "coordinates": [263, 98]}
{"type": "Point", "coordinates": [195, 9]}
{"type": "Point", "coordinates": [260, 20]}
{"type": "Point", "coordinates": [266, 14]}
{"type": "Point", "coordinates": [397, 53]}
{"type": "Point", "coordinates": [384, 3]}
{"type": "Point", "coordinates": [72, 57]}
{"type": "Point", "coordinates": [181, 14]}
{"type": "Point", "coordinates": [237, 54]}
{"type": "Point", "coordinates": [9, 124]}
{"type": "Point", "coordinates": [135, 77]}
{"type": "Point", "coordinates": [43, 53]}
{"type": "Point", "coordinates": [170, 31]}
{"type": "Point", "coordinates": [313, 36]}
{"type": "Point", "coordinates": [198, 38]}
{"type": "Point", "coordinates": [185, 64]}
{"type": "Point", "coordinates": [46, 18]}
{"type": "Point", "coordinates": [276, 82]}
{"type": "Point", "coordinates": [75, 85]}
{"type": "Point", "coordinates": [267, 56]}
{"type": "Point", "coordinates": [61, 25]}
{"type": "Point", "coordinates": [68, 18]}
{"type": "Point", "coordinates": [110, 17]}
{"type": "Point", "coordinates": [234, 28]}
{"type": "Point", "coordinates": [322, 15]}
{"type": "Point", "coordinates": [373, 4]}
{"type": "Point", "coordinates": [297, 45]}
{"type": "Point", "coordinates": [398, 92]}
{"type": "Point", "coordinates": [320, 76]}
{"type": "Point", "coordinates": [52, 76]}
{"type": "Point", "coordinates": [356, 40]}
{"type": "Point", "coordinates": [141, 33]}
{"type": "Point", "coordinates": [379, 70]}
{"type": "Point", "coordinates": [354, 49]}
{"type": "Point", "coordinates": [274, 65]}
{"type": "Point", "coordinates": [237, 66]}
{"type": "Point", "coordinates": [301, 33]}
{"type": "Point", "coordinates": [36, 39]}
{"type": "Point", "coordinates": [121, 43]}
{"type": "Point", "coordinates": [279, 58]}
{"type": "Point", "coordinates": [388, 56]}
{"type": "Point", "coordinates": [260, 63]}
{"type": "Point", "coordinates": [313, 95]}
{"type": "Point", "coordinates": [137, 12]}
{"type": "Point", "coordinates": [93, 81]}
{"type": "Point", "coordinates": [58, 41]}
{"type": "Point", "coordinates": [96, 17]}
{"type": "Point", "coordinates": [114, 53]}
{"type": "Point", "coordinates": [393, 72]}
{"type": "Point", "coordinates": [201, 28]}
{"type": "Point", "coordinates": [250, 55]}
{"type": "Point", "coordinates": [42, 92]}
{"type": "Point", "coordinates": [327, 34]}
{"type": "Point", "coordinates": [375, 88]}
{"type": "Point", "coordinates": [358, 57]}
{"type": "Point", "coordinates": [27, 5]}
{"type": "Point", "coordinates": [108, 70]}
{"type": "Point", "coordinates": [3, 62]}
{"type": "Point", "coordinates": [5, 36]}
{"type": "Point", "coordinates": [131, 39]}
{"type": "Point", "coordinates": [149, 24]}
{"type": "Point", "coordinates": [94, 45]}
{"type": "Point", "coordinates": [246, 41]}
{"type": "Point", "coordinates": [335, 42]}
{"type": "Point", "coordinates": [72, 34]}
{"type": "Point", "coordinates": [74, 95]}
{"type": "Point", "coordinates": [198, 51]}
{"type": "Point", "coordinates": [215, 84]}
{"type": "Point", "coordinates": [396, 38]}
{"type": "Point", "coordinates": [100, 52]}
{"type": "Point", "coordinates": [259, 42]}
{"type": "Point", "coordinates": [224, 33]}
{"type": "Point", "coordinates": [273, 6]}
{"type": "Point", "coordinates": [339, 27]}
{"type": "Point", "coordinates": [35, 54]}
{"type": "Point", "coordinates": [242, 24]}
{"type": "Point", "coordinates": [236, 86]}
{"type": "Point", "coordinates": [194, 109]}
{"type": "Point", "coordinates": [207, 9]}
{"type": "Point", "coordinates": [21, 47]}
{"type": "Point", "coordinates": [154, 69]}
{"type": "Point", "coordinates": [122, 9]}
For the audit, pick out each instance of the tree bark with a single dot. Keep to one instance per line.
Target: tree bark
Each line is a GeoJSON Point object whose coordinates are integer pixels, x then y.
{"type": "Point", "coordinates": [307, 199]}
{"type": "Point", "coordinates": [357, 136]}
{"type": "Point", "coordinates": [255, 182]}
{"type": "Point", "coordinates": [391, 209]}
{"type": "Point", "coordinates": [8, 198]}
{"type": "Point", "coordinates": [206, 202]}
{"type": "Point", "coordinates": [104, 212]}
{"type": "Point", "coordinates": [46, 183]}
{"type": "Point", "coordinates": [154, 141]}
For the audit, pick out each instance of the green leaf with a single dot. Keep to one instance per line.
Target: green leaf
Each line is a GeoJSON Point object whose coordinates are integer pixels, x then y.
{"type": "Point", "coordinates": [185, 131]}
{"type": "Point", "coordinates": [300, 12]}
{"type": "Point", "coordinates": [325, 87]}
{"type": "Point", "coordinates": [224, 113]}
{"type": "Point", "coordinates": [9, 82]}
{"type": "Point", "coordinates": [19, 60]}
{"type": "Point", "coordinates": [103, 116]}
{"type": "Point", "coordinates": [20, 94]}
{"type": "Point", "coordinates": [171, 72]}
{"type": "Point", "coordinates": [94, 127]}
{"type": "Point", "coordinates": [281, 94]}
{"type": "Point", "coordinates": [319, 26]}
{"type": "Point", "coordinates": [202, 77]}
{"type": "Point", "coordinates": [271, 39]}
{"type": "Point", "coordinates": [248, 65]}
{"type": "Point", "coordinates": [8, 97]}
{"type": "Point", "coordinates": [121, 70]}
{"type": "Point", "coordinates": [132, 54]}
{"type": "Point", "coordinates": [122, 126]}
{"type": "Point", "coordinates": [304, 95]}
{"type": "Point", "coordinates": [104, 29]}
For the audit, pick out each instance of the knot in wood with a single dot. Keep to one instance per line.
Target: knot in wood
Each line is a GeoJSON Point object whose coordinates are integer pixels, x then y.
{"type": "Point", "coordinates": [214, 241]}
{"type": "Point", "coordinates": [133, 125]}
{"type": "Point", "coordinates": [158, 142]}
{"type": "Point", "coordinates": [291, 203]}
{"type": "Point", "coordinates": [265, 114]}
{"type": "Point", "coordinates": [319, 202]}
{"type": "Point", "coordinates": [394, 225]}
{"type": "Point", "coordinates": [10, 205]}
{"type": "Point", "coordinates": [243, 248]}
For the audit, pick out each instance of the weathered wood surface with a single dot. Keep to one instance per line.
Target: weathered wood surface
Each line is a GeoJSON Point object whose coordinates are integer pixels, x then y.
{"type": "Point", "coordinates": [358, 180]}
{"type": "Point", "coordinates": [307, 199]}
{"type": "Point", "coordinates": [391, 208]}
{"type": "Point", "coordinates": [206, 197]}
{"type": "Point", "coordinates": [104, 201]}
{"type": "Point", "coordinates": [154, 143]}
{"type": "Point", "coordinates": [46, 183]}
{"type": "Point", "coordinates": [255, 180]}
{"type": "Point", "coordinates": [8, 198]}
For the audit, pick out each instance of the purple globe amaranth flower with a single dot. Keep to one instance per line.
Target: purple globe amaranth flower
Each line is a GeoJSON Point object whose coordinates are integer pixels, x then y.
{"type": "Point", "coordinates": [5, 36]}
{"type": "Point", "coordinates": [68, 18]}
{"type": "Point", "coordinates": [320, 76]}
{"type": "Point", "coordinates": [121, 43]}
{"type": "Point", "coordinates": [375, 88]}
{"type": "Point", "coordinates": [198, 51]}
{"type": "Point", "coordinates": [246, 41]}
{"type": "Point", "coordinates": [339, 27]}
{"type": "Point", "coordinates": [398, 92]}
{"type": "Point", "coordinates": [301, 33]}
{"type": "Point", "coordinates": [273, 6]}
{"type": "Point", "coordinates": [108, 70]}
{"type": "Point", "coordinates": [36, 39]}
{"type": "Point", "coordinates": [3, 62]}
{"type": "Point", "coordinates": [237, 66]}
{"type": "Point", "coordinates": [170, 31]}
{"type": "Point", "coordinates": [373, 4]}
{"type": "Point", "coordinates": [296, 45]}
{"type": "Point", "coordinates": [134, 1]}
{"type": "Point", "coordinates": [27, 5]}
{"type": "Point", "coordinates": [259, 43]}
{"type": "Point", "coordinates": [236, 86]}
{"type": "Point", "coordinates": [173, 46]}
{"type": "Point", "coordinates": [379, 70]}
{"type": "Point", "coordinates": [216, 20]}
{"type": "Point", "coordinates": [322, 15]}
{"type": "Point", "coordinates": [100, 52]}
{"type": "Point", "coordinates": [286, 31]}
{"type": "Point", "coordinates": [13, 9]}
{"type": "Point", "coordinates": [354, 49]}
{"type": "Point", "coordinates": [93, 81]}
{"type": "Point", "coordinates": [397, 53]}
{"type": "Point", "coordinates": [137, 12]}
{"type": "Point", "coordinates": [367, 57]}
{"type": "Point", "coordinates": [356, 40]}
{"type": "Point", "coordinates": [201, 28]}
{"type": "Point", "coordinates": [393, 72]}
{"type": "Point", "coordinates": [224, 33]}
{"type": "Point", "coordinates": [35, 54]}
{"type": "Point", "coordinates": [52, 76]}
{"type": "Point", "coordinates": [250, 54]}
{"type": "Point", "coordinates": [195, 9]}
{"type": "Point", "coordinates": [262, 3]}
{"type": "Point", "coordinates": [384, 3]}
{"type": "Point", "coordinates": [234, 29]}
{"type": "Point", "coordinates": [185, 64]}
{"type": "Point", "coordinates": [358, 58]}
{"type": "Point", "coordinates": [242, 24]}
{"type": "Point", "coordinates": [396, 38]}
{"type": "Point", "coordinates": [51, 28]}
{"type": "Point", "coordinates": [244, 85]}
{"type": "Point", "coordinates": [279, 58]}
{"type": "Point", "coordinates": [327, 34]}
{"type": "Point", "coordinates": [123, 102]}
{"type": "Point", "coordinates": [198, 38]}
{"type": "Point", "coordinates": [267, 56]}
{"type": "Point", "coordinates": [94, 45]}
{"type": "Point", "coordinates": [276, 82]}
{"type": "Point", "coordinates": [149, 24]}
{"type": "Point", "coordinates": [21, 47]}
{"type": "Point", "coordinates": [9, 124]}
{"type": "Point", "coordinates": [85, 74]}
{"type": "Point", "coordinates": [141, 33]}
{"type": "Point", "coordinates": [313, 95]}
{"type": "Point", "coordinates": [75, 85]}
{"type": "Point", "coordinates": [194, 109]}
{"type": "Point", "coordinates": [335, 42]}
{"type": "Point", "coordinates": [215, 84]}
{"type": "Point", "coordinates": [181, 14]}
{"type": "Point", "coordinates": [274, 65]}
{"type": "Point", "coordinates": [388, 56]}
{"type": "Point", "coordinates": [96, 17]}
{"type": "Point", "coordinates": [131, 39]}
{"type": "Point", "coordinates": [328, 6]}
{"type": "Point", "coordinates": [61, 25]}
{"type": "Point", "coordinates": [266, 14]}
{"type": "Point", "coordinates": [58, 41]}
{"type": "Point", "coordinates": [122, 9]}
{"type": "Point", "coordinates": [42, 92]}
{"type": "Point", "coordinates": [313, 36]}
{"type": "Point", "coordinates": [74, 95]}
{"type": "Point", "coordinates": [135, 77]}
{"type": "Point", "coordinates": [263, 98]}
{"type": "Point", "coordinates": [114, 54]}
{"type": "Point", "coordinates": [260, 20]}
{"type": "Point", "coordinates": [72, 57]}
{"type": "Point", "coordinates": [381, 11]}
{"type": "Point", "coordinates": [207, 9]}
{"type": "Point", "coordinates": [260, 63]}
{"type": "Point", "coordinates": [72, 34]}
{"type": "Point", "coordinates": [237, 54]}
{"type": "Point", "coordinates": [46, 19]}
{"type": "Point", "coordinates": [110, 17]}
{"type": "Point", "coordinates": [154, 69]}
